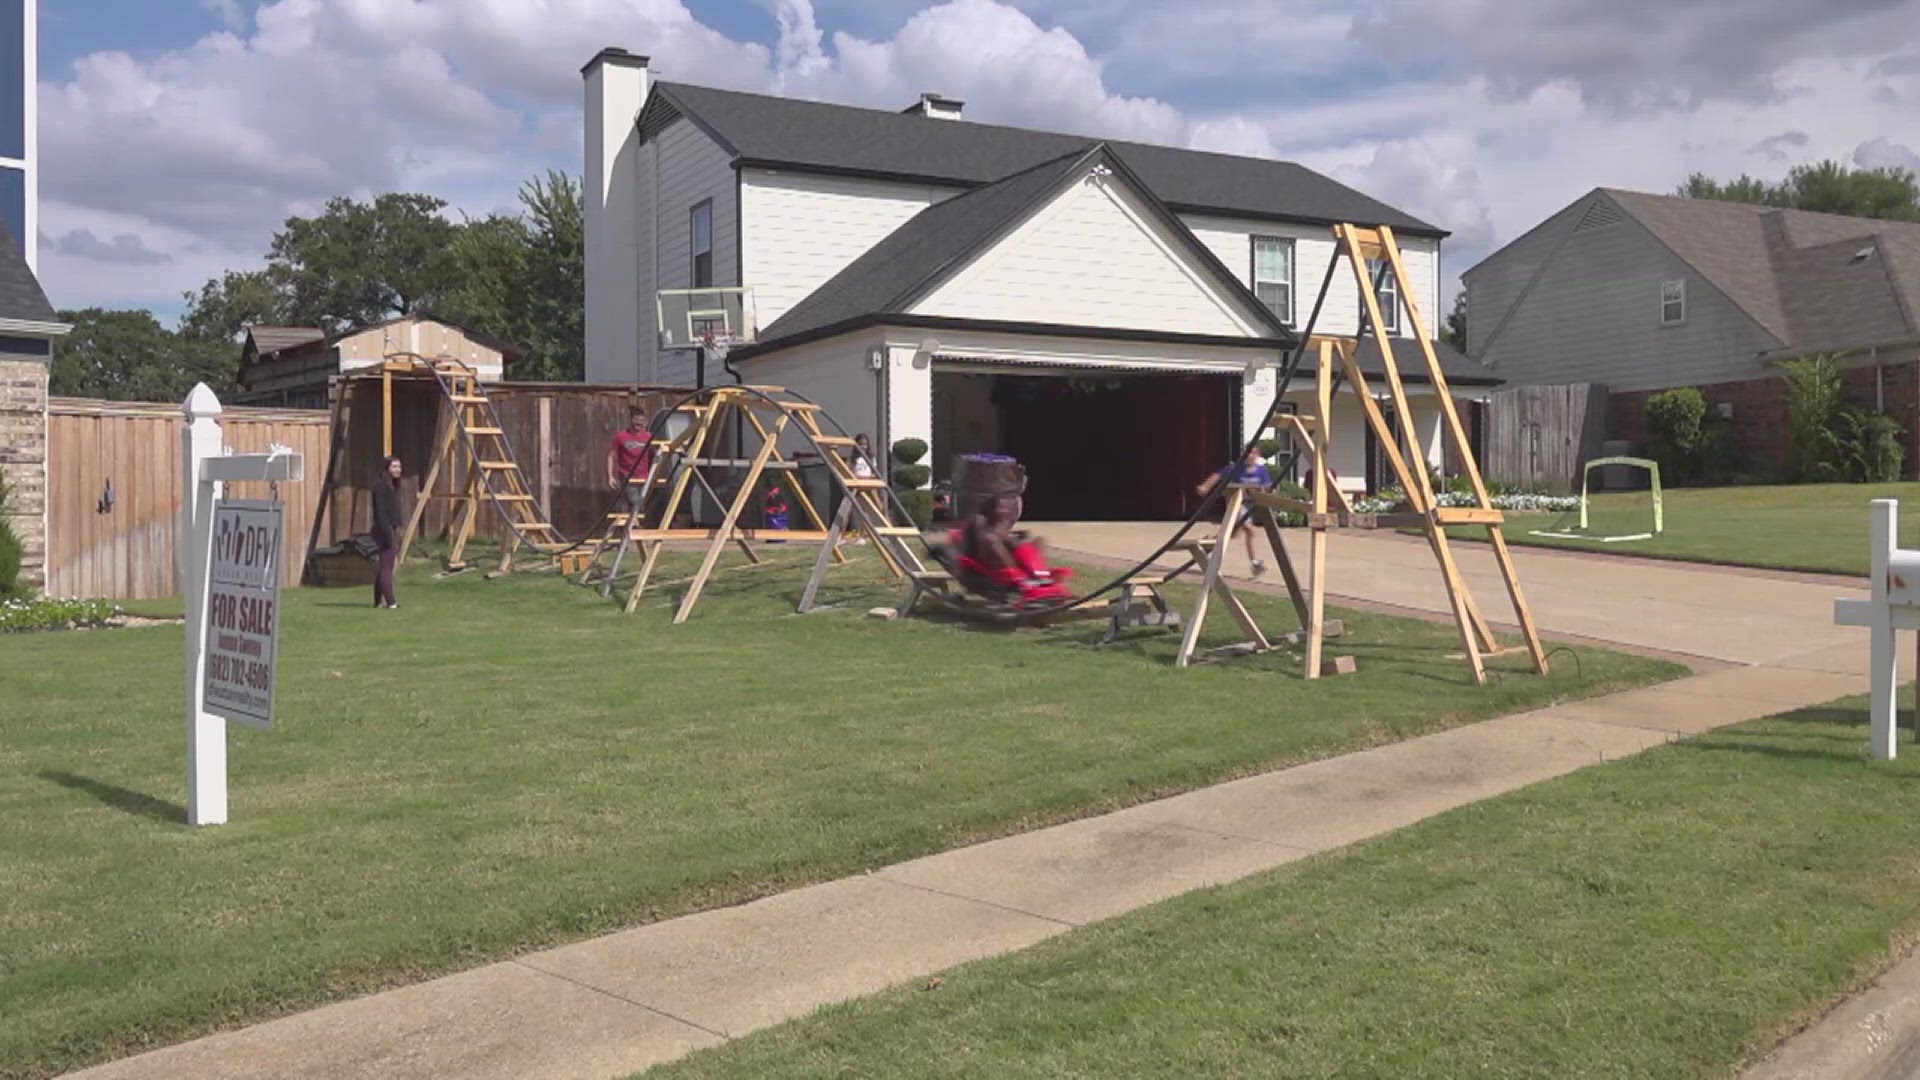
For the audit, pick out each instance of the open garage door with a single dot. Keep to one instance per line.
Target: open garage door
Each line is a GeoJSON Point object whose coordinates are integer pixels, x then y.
{"type": "Point", "coordinates": [1097, 446]}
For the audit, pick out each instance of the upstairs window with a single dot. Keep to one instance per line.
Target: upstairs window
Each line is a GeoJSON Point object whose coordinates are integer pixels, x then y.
{"type": "Point", "coordinates": [702, 227]}
{"type": "Point", "coordinates": [1673, 303]}
{"type": "Point", "coordinates": [1273, 275]}
{"type": "Point", "coordinates": [1388, 295]}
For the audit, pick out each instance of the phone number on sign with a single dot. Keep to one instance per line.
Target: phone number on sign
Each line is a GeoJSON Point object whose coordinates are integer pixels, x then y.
{"type": "Point", "coordinates": [239, 672]}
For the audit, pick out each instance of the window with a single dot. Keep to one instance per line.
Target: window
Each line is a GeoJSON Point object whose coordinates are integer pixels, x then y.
{"type": "Point", "coordinates": [1273, 275]}
{"type": "Point", "coordinates": [703, 245]}
{"type": "Point", "coordinates": [1673, 303]}
{"type": "Point", "coordinates": [1388, 294]}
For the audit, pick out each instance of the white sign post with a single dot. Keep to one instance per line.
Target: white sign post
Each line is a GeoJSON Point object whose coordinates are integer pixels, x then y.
{"type": "Point", "coordinates": [1894, 605]}
{"type": "Point", "coordinates": [248, 573]}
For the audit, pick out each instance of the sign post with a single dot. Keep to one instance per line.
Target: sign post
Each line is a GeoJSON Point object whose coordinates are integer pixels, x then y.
{"type": "Point", "coordinates": [236, 592]}
{"type": "Point", "coordinates": [1894, 605]}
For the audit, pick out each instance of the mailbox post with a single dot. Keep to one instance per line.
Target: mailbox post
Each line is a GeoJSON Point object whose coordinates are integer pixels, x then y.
{"type": "Point", "coordinates": [1893, 606]}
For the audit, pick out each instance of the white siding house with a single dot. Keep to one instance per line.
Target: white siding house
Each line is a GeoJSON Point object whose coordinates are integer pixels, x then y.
{"type": "Point", "coordinates": [984, 287]}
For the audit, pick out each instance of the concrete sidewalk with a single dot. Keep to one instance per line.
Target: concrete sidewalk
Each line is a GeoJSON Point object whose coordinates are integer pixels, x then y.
{"type": "Point", "coordinates": [619, 1003]}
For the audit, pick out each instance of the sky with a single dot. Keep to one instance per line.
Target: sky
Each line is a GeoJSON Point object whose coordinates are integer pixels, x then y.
{"type": "Point", "coordinates": [176, 135]}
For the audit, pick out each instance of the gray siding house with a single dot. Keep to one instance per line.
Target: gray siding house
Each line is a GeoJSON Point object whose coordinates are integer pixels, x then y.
{"type": "Point", "coordinates": [1643, 293]}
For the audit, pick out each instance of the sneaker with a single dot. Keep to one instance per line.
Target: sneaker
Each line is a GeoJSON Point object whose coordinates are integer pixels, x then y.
{"type": "Point", "coordinates": [1259, 568]}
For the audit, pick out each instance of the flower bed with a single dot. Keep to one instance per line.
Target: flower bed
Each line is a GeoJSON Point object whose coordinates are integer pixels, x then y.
{"type": "Point", "coordinates": [52, 614]}
{"type": "Point", "coordinates": [1387, 500]}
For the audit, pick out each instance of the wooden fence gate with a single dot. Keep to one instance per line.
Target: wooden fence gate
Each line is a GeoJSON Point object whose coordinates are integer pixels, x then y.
{"type": "Point", "coordinates": [1538, 437]}
{"type": "Point", "coordinates": [113, 491]}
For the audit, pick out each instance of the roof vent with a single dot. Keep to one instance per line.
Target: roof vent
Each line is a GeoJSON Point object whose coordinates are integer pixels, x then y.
{"type": "Point", "coordinates": [936, 106]}
{"type": "Point", "coordinates": [1862, 255]}
{"type": "Point", "coordinates": [1599, 215]}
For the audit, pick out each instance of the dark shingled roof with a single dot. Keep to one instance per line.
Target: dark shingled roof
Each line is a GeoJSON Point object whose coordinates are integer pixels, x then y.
{"type": "Point", "coordinates": [1814, 281]}
{"type": "Point", "coordinates": [890, 276]}
{"type": "Point", "coordinates": [781, 132]}
{"type": "Point", "coordinates": [20, 294]}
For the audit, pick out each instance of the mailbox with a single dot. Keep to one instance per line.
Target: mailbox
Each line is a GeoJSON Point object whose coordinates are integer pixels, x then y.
{"type": "Point", "coordinates": [1903, 578]}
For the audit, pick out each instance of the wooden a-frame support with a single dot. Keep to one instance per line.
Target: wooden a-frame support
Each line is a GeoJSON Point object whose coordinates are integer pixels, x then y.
{"type": "Point", "coordinates": [1358, 244]}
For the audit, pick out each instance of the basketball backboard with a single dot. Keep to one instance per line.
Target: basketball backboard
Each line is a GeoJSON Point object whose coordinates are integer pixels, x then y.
{"type": "Point", "coordinates": [691, 317]}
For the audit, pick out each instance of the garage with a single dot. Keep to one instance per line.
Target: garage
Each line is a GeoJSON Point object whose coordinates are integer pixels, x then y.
{"type": "Point", "coordinates": [1098, 445]}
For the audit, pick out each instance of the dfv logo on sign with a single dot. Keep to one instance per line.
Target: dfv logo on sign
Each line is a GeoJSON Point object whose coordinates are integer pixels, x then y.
{"type": "Point", "coordinates": [243, 610]}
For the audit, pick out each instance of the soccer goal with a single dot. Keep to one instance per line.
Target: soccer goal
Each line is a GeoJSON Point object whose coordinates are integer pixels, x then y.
{"type": "Point", "coordinates": [1622, 517]}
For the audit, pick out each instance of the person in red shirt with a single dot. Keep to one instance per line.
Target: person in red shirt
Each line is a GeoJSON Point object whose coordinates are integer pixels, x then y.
{"type": "Point", "coordinates": [628, 458]}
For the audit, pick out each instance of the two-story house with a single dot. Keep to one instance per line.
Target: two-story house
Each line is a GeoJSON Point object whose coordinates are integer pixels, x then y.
{"type": "Point", "coordinates": [1644, 293]}
{"type": "Point", "coordinates": [1111, 313]}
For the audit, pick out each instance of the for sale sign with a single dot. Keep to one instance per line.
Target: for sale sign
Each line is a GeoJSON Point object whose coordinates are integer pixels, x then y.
{"type": "Point", "coordinates": [243, 610]}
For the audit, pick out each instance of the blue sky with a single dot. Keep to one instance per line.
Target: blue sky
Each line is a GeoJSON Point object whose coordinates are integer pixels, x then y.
{"type": "Point", "coordinates": [177, 134]}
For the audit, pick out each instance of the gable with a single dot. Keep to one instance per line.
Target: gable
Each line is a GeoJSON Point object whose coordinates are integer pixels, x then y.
{"type": "Point", "coordinates": [1095, 255]}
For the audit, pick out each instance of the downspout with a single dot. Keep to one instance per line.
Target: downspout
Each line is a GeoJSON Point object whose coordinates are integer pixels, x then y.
{"type": "Point", "coordinates": [1879, 380]}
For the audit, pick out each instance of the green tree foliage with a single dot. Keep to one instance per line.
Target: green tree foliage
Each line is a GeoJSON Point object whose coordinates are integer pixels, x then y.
{"type": "Point", "coordinates": [358, 263]}
{"type": "Point", "coordinates": [1890, 193]}
{"type": "Point", "coordinates": [12, 552]}
{"type": "Point", "coordinates": [129, 356]}
{"type": "Point", "coordinates": [225, 306]}
{"type": "Point", "coordinates": [1813, 406]}
{"type": "Point", "coordinates": [524, 278]}
{"type": "Point", "coordinates": [1454, 333]}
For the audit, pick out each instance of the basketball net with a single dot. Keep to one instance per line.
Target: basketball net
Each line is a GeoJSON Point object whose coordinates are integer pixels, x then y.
{"type": "Point", "coordinates": [716, 347]}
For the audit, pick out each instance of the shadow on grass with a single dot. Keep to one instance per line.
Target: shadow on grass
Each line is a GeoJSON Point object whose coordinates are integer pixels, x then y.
{"type": "Point", "coordinates": [133, 802]}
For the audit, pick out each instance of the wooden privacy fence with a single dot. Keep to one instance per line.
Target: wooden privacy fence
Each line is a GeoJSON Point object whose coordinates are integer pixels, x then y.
{"type": "Point", "coordinates": [113, 491]}
{"type": "Point", "coordinates": [560, 434]}
{"type": "Point", "coordinates": [1537, 437]}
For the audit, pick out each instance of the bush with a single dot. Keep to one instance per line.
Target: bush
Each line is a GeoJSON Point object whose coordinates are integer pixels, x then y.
{"type": "Point", "coordinates": [1674, 419]}
{"type": "Point", "coordinates": [1813, 415]}
{"type": "Point", "coordinates": [1291, 518]}
{"type": "Point", "coordinates": [12, 552]}
{"type": "Point", "coordinates": [22, 614]}
{"type": "Point", "coordinates": [919, 504]}
{"type": "Point", "coordinates": [1869, 446]}
{"type": "Point", "coordinates": [1268, 448]}
{"type": "Point", "coordinates": [909, 451]}
{"type": "Point", "coordinates": [909, 477]}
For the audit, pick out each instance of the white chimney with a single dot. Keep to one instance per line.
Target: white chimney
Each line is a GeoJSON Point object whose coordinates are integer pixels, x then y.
{"type": "Point", "coordinates": [616, 87]}
{"type": "Point", "coordinates": [936, 106]}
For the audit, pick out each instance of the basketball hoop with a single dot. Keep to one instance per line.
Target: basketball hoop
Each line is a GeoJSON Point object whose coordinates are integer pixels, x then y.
{"type": "Point", "coordinates": [716, 346]}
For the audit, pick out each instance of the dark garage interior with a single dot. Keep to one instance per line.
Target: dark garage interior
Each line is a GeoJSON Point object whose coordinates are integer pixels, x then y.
{"type": "Point", "coordinates": [1096, 446]}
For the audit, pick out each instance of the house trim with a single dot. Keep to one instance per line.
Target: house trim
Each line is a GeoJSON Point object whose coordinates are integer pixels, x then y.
{"type": "Point", "coordinates": [946, 322]}
{"type": "Point", "coordinates": [35, 327]}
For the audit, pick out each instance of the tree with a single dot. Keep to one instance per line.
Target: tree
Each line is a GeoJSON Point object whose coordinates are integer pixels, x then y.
{"type": "Point", "coordinates": [1454, 333]}
{"type": "Point", "coordinates": [358, 263]}
{"type": "Point", "coordinates": [1829, 187]}
{"type": "Point", "coordinates": [225, 306]}
{"type": "Point", "coordinates": [523, 279]}
{"type": "Point", "coordinates": [129, 356]}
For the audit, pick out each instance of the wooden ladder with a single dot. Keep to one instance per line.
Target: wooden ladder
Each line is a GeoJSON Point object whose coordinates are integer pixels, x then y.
{"type": "Point", "coordinates": [493, 472]}
{"type": "Point", "coordinates": [875, 512]}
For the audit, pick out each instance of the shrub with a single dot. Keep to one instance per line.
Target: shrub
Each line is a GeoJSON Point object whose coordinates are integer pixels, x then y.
{"type": "Point", "coordinates": [908, 477]}
{"type": "Point", "coordinates": [909, 451]}
{"type": "Point", "coordinates": [1291, 518]}
{"type": "Point", "coordinates": [1869, 446]}
{"type": "Point", "coordinates": [1813, 417]}
{"type": "Point", "coordinates": [919, 504]}
{"type": "Point", "coordinates": [12, 552]}
{"type": "Point", "coordinates": [1268, 448]}
{"type": "Point", "coordinates": [1674, 420]}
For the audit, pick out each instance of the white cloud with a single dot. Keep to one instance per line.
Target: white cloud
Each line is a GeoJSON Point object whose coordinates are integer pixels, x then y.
{"type": "Point", "coordinates": [1884, 153]}
{"type": "Point", "coordinates": [1480, 117]}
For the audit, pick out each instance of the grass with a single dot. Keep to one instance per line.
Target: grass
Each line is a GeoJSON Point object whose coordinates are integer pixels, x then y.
{"type": "Point", "coordinates": [1668, 915]}
{"type": "Point", "coordinates": [1814, 527]}
{"type": "Point", "coordinates": [504, 765]}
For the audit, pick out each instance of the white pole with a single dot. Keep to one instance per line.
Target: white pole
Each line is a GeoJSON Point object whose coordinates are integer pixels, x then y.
{"type": "Point", "coordinates": [206, 734]}
{"type": "Point", "coordinates": [1881, 531]}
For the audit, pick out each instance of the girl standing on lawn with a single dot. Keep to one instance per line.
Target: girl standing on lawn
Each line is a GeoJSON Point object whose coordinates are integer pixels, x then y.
{"type": "Point", "coordinates": [386, 529]}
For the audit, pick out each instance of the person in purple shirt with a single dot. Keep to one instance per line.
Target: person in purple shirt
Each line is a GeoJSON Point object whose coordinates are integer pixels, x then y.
{"type": "Point", "coordinates": [1249, 470]}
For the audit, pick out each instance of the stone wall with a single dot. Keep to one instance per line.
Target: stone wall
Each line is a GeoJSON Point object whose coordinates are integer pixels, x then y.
{"type": "Point", "coordinates": [23, 459]}
{"type": "Point", "coordinates": [1760, 429]}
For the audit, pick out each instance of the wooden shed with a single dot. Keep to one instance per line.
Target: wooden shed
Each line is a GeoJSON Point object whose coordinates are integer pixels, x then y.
{"type": "Point", "coordinates": [291, 366]}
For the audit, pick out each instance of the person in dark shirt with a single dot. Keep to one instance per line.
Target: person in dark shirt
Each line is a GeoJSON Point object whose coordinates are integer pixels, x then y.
{"type": "Point", "coordinates": [1250, 470]}
{"type": "Point", "coordinates": [386, 529]}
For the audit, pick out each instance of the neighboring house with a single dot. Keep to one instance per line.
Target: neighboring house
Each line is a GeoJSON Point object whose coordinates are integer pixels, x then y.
{"type": "Point", "coordinates": [288, 366]}
{"type": "Point", "coordinates": [1111, 313]}
{"type": "Point", "coordinates": [1644, 293]}
{"type": "Point", "coordinates": [19, 126]}
{"type": "Point", "coordinates": [28, 326]}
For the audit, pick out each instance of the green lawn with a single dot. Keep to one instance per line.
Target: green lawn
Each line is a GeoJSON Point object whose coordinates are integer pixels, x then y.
{"type": "Point", "coordinates": [1668, 915]}
{"type": "Point", "coordinates": [1818, 527]}
{"type": "Point", "coordinates": [502, 765]}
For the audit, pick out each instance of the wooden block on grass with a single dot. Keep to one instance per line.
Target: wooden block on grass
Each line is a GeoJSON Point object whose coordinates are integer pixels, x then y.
{"type": "Point", "coordinates": [1338, 665]}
